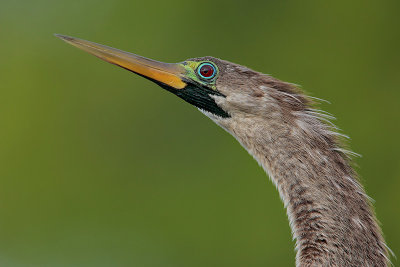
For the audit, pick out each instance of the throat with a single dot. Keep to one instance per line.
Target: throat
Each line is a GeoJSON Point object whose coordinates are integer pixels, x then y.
{"type": "Point", "coordinates": [200, 98]}
{"type": "Point", "coordinates": [329, 213]}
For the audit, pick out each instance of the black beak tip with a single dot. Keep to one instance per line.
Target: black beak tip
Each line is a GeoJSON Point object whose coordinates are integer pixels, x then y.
{"type": "Point", "coordinates": [64, 37]}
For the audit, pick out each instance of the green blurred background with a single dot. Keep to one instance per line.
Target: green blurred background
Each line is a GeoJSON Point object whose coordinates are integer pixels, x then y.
{"type": "Point", "coordinates": [100, 167]}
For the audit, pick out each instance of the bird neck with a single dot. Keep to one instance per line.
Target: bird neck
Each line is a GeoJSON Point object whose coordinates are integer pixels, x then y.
{"type": "Point", "coordinates": [329, 212]}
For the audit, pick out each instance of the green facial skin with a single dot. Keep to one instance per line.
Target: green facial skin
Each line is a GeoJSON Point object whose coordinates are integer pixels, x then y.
{"type": "Point", "coordinates": [191, 68]}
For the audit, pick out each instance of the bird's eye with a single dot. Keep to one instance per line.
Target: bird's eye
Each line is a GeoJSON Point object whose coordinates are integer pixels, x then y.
{"type": "Point", "coordinates": [206, 71]}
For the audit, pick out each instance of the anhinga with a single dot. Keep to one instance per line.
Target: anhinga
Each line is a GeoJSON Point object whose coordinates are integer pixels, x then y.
{"type": "Point", "coordinates": [329, 213]}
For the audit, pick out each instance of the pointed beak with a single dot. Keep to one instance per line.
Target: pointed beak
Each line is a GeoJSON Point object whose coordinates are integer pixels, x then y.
{"type": "Point", "coordinates": [170, 74]}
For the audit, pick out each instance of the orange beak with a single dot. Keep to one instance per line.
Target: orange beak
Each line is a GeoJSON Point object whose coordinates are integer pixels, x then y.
{"type": "Point", "coordinates": [170, 74]}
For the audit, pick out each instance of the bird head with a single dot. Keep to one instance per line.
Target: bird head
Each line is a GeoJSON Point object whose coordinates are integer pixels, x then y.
{"type": "Point", "coordinates": [222, 90]}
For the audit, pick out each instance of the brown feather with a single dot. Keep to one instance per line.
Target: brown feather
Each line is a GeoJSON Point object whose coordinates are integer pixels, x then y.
{"type": "Point", "coordinates": [330, 214]}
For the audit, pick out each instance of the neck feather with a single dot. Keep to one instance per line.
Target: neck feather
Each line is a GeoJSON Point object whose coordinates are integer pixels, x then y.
{"type": "Point", "coordinates": [330, 215]}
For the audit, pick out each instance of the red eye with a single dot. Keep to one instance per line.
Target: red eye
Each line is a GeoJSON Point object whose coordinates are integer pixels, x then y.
{"type": "Point", "coordinates": [206, 70]}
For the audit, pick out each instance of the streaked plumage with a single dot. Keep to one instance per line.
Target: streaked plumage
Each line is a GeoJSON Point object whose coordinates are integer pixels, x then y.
{"type": "Point", "coordinates": [330, 215]}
